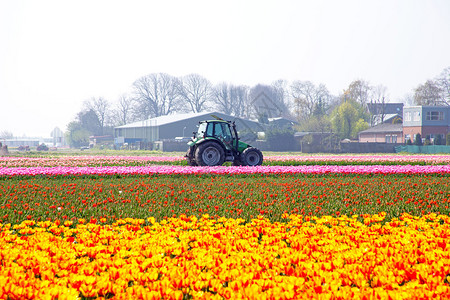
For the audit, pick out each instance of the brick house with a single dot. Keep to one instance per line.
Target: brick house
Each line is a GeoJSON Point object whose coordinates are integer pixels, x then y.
{"type": "Point", "coordinates": [429, 121]}
{"type": "Point", "coordinates": [383, 133]}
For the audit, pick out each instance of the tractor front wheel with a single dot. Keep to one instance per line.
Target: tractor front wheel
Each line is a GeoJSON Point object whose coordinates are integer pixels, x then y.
{"type": "Point", "coordinates": [252, 157]}
{"type": "Point", "coordinates": [209, 154]}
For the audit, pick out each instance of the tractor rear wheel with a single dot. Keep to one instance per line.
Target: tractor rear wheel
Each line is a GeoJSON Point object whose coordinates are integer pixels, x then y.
{"type": "Point", "coordinates": [252, 157]}
{"type": "Point", "coordinates": [209, 154]}
{"type": "Point", "coordinates": [190, 157]}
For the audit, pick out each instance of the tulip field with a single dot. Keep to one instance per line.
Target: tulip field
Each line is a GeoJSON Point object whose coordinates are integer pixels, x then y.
{"type": "Point", "coordinates": [276, 160]}
{"type": "Point", "coordinates": [297, 227]}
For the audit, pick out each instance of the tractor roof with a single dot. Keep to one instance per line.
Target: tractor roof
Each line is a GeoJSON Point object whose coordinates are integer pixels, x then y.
{"type": "Point", "coordinates": [214, 121]}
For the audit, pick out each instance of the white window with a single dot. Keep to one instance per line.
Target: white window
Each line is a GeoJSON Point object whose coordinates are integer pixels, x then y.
{"type": "Point", "coordinates": [416, 116]}
{"type": "Point", "coordinates": [388, 138]}
{"type": "Point", "coordinates": [408, 116]}
{"type": "Point", "coordinates": [435, 115]}
{"type": "Point", "coordinates": [394, 139]}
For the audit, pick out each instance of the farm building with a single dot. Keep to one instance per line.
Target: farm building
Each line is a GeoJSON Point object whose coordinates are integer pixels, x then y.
{"type": "Point", "coordinates": [17, 142]}
{"type": "Point", "coordinates": [171, 127]}
{"type": "Point", "coordinates": [383, 133]}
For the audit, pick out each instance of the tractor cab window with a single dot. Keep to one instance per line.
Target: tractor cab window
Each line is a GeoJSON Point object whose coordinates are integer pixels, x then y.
{"type": "Point", "coordinates": [227, 132]}
{"type": "Point", "coordinates": [209, 130]}
{"type": "Point", "coordinates": [222, 131]}
{"type": "Point", "coordinates": [204, 130]}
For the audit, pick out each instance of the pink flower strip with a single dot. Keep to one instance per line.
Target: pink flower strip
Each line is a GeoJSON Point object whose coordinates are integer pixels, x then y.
{"type": "Point", "coordinates": [147, 170]}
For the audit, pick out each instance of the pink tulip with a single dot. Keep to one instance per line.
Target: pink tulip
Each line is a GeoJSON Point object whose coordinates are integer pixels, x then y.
{"type": "Point", "coordinates": [355, 169]}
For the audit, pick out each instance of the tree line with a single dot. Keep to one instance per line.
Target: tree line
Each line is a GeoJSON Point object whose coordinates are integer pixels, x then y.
{"type": "Point", "coordinates": [311, 105]}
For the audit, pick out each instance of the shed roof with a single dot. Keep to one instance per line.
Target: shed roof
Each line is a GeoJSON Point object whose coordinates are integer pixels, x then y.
{"type": "Point", "coordinates": [384, 127]}
{"type": "Point", "coordinates": [167, 119]}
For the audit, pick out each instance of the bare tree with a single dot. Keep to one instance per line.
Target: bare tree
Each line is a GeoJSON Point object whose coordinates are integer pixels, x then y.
{"type": "Point", "coordinates": [281, 94]}
{"type": "Point", "coordinates": [265, 101]}
{"type": "Point", "coordinates": [222, 96]}
{"type": "Point", "coordinates": [102, 108]}
{"type": "Point", "coordinates": [155, 95]}
{"type": "Point", "coordinates": [240, 94]}
{"type": "Point", "coordinates": [122, 112]}
{"type": "Point", "coordinates": [428, 93]}
{"type": "Point", "coordinates": [195, 92]}
{"type": "Point", "coordinates": [377, 105]}
{"type": "Point", "coordinates": [5, 134]}
{"type": "Point", "coordinates": [230, 99]}
{"type": "Point", "coordinates": [407, 99]}
{"type": "Point", "coordinates": [444, 84]}
{"type": "Point", "coordinates": [308, 98]}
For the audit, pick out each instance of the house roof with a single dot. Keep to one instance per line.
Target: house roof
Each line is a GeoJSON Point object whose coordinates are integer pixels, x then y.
{"type": "Point", "coordinates": [384, 127]}
{"type": "Point", "coordinates": [282, 119]}
{"type": "Point", "coordinates": [387, 108]}
{"type": "Point", "coordinates": [301, 134]}
{"type": "Point", "coordinates": [427, 106]}
{"type": "Point", "coordinates": [391, 116]}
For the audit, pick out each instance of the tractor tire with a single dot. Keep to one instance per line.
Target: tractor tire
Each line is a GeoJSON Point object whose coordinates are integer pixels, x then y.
{"type": "Point", "coordinates": [252, 157]}
{"type": "Point", "coordinates": [209, 154]}
{"type": "Point", "coordinates": [190, 157]}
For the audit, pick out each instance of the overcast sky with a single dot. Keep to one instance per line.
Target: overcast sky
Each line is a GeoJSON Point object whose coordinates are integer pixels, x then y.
{"type": "Point", "coordinates": [56, 54]}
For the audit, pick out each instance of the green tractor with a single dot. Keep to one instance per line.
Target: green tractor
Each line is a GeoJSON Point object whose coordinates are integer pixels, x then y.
{"type": "Point", "coordinates": [216, 142]}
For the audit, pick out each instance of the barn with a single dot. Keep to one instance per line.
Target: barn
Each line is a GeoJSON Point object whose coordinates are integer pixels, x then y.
{"type": "Point", "coordinates": [175, 126]}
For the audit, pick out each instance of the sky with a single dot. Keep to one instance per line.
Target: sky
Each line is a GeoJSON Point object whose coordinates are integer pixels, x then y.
{"type": "Point", "coordinates": [55, 55]}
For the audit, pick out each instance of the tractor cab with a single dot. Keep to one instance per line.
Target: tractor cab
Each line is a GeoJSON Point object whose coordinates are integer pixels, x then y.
{"type": "Point", "coordinates": [221, 130]}
{"type": "Point", "coordinates": [217, 141]}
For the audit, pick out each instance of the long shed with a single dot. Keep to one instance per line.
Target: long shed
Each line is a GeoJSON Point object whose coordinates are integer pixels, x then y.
{"type": "Point", "coordinates": [174, 126]}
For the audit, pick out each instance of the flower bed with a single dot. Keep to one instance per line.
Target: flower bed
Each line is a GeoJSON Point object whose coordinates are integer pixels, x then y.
{"type": "Point", "coordinates": [206, 258]}
{"type": "Point", "coordinates": [86, 161]}
{"type": "Point", "coordinates": [122, 228]}
{"type": "Point", "coordinates": [235, 195]}
{"type": "Point", "coordinates": [224, 170]}
{"type": "Point", "coordinates": [273, 160]}
{"type": "Point", "coordinates": [387, 159]}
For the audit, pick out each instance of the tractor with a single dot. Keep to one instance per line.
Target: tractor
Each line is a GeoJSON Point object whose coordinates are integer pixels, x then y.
{"type": "Point", "coordinates": [216, 142]}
